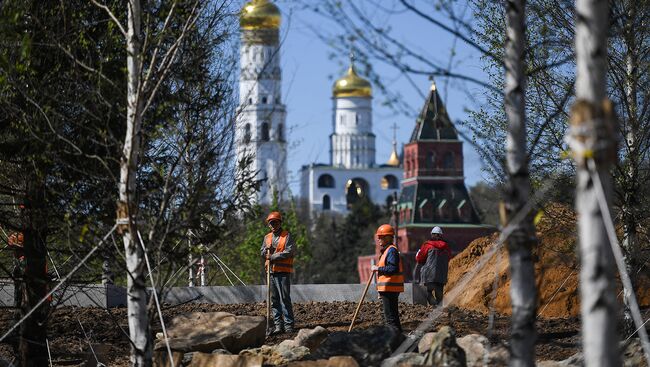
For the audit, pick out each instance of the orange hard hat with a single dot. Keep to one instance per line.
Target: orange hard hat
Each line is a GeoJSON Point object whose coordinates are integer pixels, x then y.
{"type": "Point", "coordinates": [385, 230]}
{"type": "Point", "coordinates": [274, 216]}
{"type": "Point", "coordinates": [16, 239]}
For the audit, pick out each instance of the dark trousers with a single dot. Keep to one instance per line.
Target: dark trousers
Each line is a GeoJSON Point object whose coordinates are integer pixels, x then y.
{"type": "Point", "coordinates": [391, 312]}
{"type": "Point", "coordinates": [434, 293]}
{"type": "Point", "coordinates": [281, 299]}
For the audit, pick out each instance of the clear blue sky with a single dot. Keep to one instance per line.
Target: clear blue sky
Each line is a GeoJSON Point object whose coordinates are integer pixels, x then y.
{"type": "Point", "coordinates": [308, 75]}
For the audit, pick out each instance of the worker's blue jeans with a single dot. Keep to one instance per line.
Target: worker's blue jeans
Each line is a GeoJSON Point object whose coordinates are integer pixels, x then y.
{"type": "Point", "coordinates": [281, 299]}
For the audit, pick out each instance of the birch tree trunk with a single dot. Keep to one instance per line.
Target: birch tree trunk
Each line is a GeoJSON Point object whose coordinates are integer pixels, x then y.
{"type": "Point", "coordinates": [523, 291]}
{"type": "Point", "coordinates": [592, 130]}
{"type": "Point", "coordinates": [141, 351]}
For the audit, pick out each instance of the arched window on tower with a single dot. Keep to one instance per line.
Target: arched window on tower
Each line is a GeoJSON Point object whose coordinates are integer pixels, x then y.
{"type": "Point", "coordinates": [265, 131]}
{"type": "Point", "coordinates": [280, 133]}
{"type": "Point", "coordinates": [247, 133]}
{"type": "Point", "coordinates": [448, 161]}
{"type": "Point", "coordinates": [326, 202]}
{"type": "Point", "coordinates": [389, 182]}
{"type": "Point", "coordinates": [431, 159]}
{"type": "Point", "coordinates": [342, 119]}
{"type": "Point", "coordinates": [356, 118]}
{"type": "Point", "coordinates": [264, 99]}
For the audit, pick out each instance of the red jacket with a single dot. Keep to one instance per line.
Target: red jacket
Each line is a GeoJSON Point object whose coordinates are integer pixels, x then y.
{"type": "Point", "coordinates": [421, 256]}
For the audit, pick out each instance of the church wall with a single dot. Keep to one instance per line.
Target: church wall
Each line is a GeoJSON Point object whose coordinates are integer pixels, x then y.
{"type": "Point", "coordinates": [337, 194]}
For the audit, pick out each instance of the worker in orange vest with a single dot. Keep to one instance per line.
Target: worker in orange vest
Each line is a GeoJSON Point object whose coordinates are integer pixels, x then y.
{"type": "Point", "coordinates": [390, 276]}
{"type": "Point", "coordinates": [278, 250]}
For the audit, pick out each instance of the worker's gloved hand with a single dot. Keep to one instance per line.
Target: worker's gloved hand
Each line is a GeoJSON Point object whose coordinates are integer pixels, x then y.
{"type": "Point", "coordinates": [268, 256]}
{"type": "Point", "coordinates": [374, 268]}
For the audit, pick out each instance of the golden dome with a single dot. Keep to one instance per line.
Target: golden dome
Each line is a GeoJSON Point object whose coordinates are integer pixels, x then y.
{"type": "Point", "coordinates": [393, 161]}
{"type": "Point", "coordinates": [259, 14]}
{"type": "Point", "coordinates": [352, 85]}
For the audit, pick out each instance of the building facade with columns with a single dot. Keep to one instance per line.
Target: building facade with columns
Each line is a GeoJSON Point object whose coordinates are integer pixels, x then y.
{"type": "Point", "coordinates": [352, 172]}
{"type": "Point", "coordinates": [260, 130]}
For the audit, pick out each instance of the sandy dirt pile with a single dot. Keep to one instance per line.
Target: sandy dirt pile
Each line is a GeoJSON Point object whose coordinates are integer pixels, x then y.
{"type": "Point", "coordinates": [557, 270]}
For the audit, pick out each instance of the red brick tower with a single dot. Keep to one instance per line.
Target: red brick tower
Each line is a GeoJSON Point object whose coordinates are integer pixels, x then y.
{"type": "Point", "coordinates": [433, 188]}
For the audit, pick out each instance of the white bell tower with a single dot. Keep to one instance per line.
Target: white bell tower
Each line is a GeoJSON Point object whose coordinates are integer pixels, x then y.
{"type": "Point", "coordinates": [260, 131]}
{"type": "Point", "coordinates": [353, 142]}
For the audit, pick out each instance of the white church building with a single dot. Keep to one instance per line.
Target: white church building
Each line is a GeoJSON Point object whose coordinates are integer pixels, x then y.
{"type": "Point", "coordinates": [352, 172]}
{"type": "Point", "coordinates": [260, 127]}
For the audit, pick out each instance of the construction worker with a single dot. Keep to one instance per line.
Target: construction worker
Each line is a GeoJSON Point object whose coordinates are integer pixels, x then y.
{"type": "Point", "coordinates": [433, 257]}
{"type": "Point", "coordinates": [278, 250]}
{"type": "Point", "coordinates": [390, 277]}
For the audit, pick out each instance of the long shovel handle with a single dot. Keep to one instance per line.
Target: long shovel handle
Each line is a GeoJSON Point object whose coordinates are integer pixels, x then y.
{"type": "Point", "coordinates": [363, 296]}
{"type": "Point", "coordinates": [268, 292]}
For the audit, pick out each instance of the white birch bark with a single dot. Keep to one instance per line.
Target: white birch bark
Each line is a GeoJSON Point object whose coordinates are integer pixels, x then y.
{"type": "Point", "coordinates": [598, 306]}
{"type": "Point", "coordinates": [141, 351]}
{"type": "Point", "coordinates": [523, 291]}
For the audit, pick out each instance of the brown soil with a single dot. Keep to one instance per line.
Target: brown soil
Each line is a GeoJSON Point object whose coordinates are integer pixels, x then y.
{"type": "Point", "coordinates": [558, 339]}
{"type": "Point", "coordinates": [557, 280]}
{"type": "Point", "coordinates": [556, 269]}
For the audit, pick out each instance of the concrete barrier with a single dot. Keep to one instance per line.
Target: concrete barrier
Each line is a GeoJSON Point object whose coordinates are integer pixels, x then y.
{"type": "Point", "coordinates": [97, 295]}
{"type": "Point", "coordinates": [300, 293]}
{"type": "Point", "coordinates": [90, 295]}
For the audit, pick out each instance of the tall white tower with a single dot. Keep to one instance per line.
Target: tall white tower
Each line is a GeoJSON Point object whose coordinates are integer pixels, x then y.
{"type": "Point", "coordinates": [352, 143]}
{"type": "Point", "coordinates": [260, 131]}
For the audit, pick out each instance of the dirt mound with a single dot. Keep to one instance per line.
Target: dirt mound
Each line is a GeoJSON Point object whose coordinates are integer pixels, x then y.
{"type": "Point", "coordinates": [556, 270]}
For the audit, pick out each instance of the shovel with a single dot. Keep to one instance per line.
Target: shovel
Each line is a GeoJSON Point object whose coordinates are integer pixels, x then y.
{"type": "Point", "coordinates": [268, 292]}
{"type": "Point", "coordinates": [356, 312]}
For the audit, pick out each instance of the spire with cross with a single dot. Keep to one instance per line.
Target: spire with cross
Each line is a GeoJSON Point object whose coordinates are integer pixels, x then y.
{"type": "Point", "coordinates": [394, 159]}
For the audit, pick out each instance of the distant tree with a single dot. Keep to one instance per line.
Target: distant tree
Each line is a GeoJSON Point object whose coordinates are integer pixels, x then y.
{"type": "Point", "coordinates": [339, 241]}
{"type": "Point", "coordinates": [243, 254]}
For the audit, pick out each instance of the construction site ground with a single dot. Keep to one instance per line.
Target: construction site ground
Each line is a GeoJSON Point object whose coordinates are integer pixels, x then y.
{"type": "Point", "coordinates": [558, 338]}
{"type": "Point", "coordinates": [558, 325]}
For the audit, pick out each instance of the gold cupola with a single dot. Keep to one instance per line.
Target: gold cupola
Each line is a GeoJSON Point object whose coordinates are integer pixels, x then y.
{"type": "Point", "coordinates": [393, 161]}
{"type": "Point", "coordinates": [259, 14]}
{"type": "Point", "coordinates": [352, 85]}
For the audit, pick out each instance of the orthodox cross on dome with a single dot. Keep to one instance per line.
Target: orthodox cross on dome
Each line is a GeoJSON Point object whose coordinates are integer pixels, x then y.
{"type": "Point", "coordinates": [394, 159]}
{"type": "Point", "coordinates": [351, 39]}
{"type": "Point", "coordinates": [394, 127]}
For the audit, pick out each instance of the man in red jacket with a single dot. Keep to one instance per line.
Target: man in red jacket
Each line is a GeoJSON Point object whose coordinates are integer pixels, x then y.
{"type": "Point", "coordinates": [433, 257]}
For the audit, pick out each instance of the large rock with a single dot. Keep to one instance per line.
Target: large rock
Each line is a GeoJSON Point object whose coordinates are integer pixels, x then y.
{"type": "Point", "coordinates": [444, 351]}
{"type": "Point", "coordinates": [632, 357]}
{"type": "Point", "coordinates": [404, 359]}
{"type": "Point", "coordinates": [311, 338]}
{"type": "Point", "coordinates": [476, 347]}
{"type": "Point", "coordinates": [279, 354]}
{"type": "Point", "coordinates": [161, 358]}
{"type": "Point", "coordinates": [338, 361]}
{"type": "Point", "coordinates": [225, 360]}
{"type": "Point", "coordinates": [425, 342]}
{"type": "Point", "coordinates": [207, 331]}
{"type": "Point", "coordinates": [368, 347]}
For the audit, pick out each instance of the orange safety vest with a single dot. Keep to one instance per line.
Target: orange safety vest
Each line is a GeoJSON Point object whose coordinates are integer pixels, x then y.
{"type": "Point", "coordinates": [282, 265]}
{"type": "Point", "coordinates": [393, 282]}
